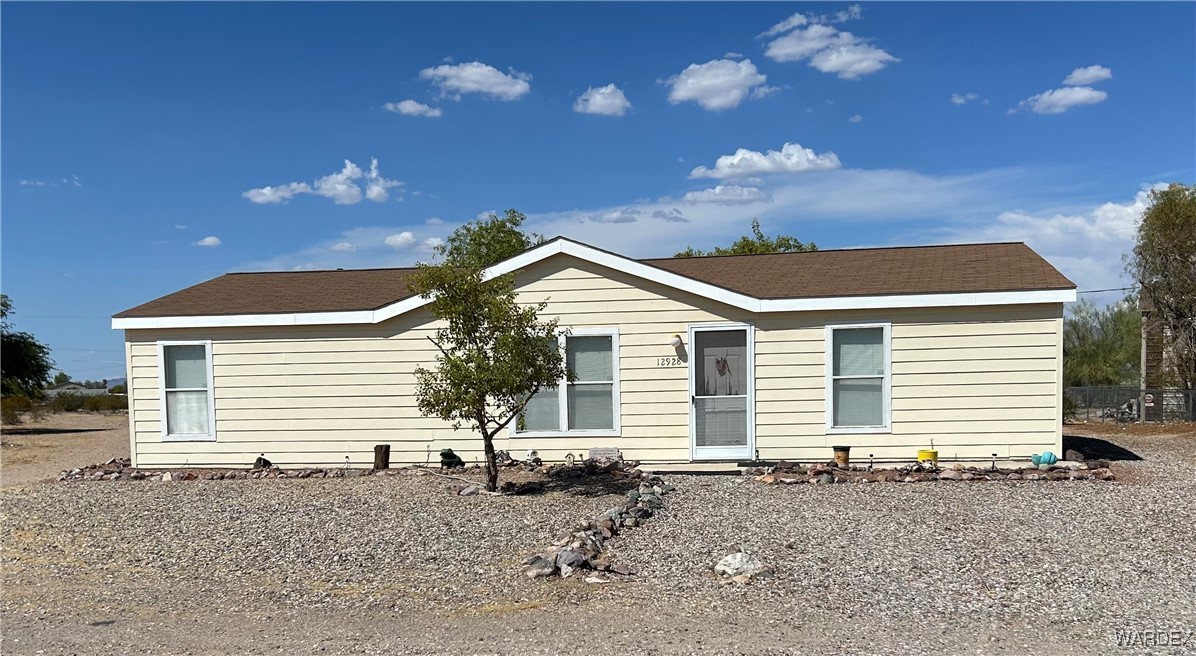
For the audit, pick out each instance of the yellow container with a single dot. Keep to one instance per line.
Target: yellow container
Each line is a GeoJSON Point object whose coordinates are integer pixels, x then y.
{"type": "Point", "coordinates": [928, 455]}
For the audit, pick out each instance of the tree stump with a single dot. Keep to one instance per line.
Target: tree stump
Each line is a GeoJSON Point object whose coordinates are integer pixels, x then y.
{"type": "Point", "coordinates": [381, 456]}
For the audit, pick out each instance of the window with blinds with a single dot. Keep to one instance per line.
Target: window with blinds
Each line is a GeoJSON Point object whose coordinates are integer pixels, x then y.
{"type": "Point", "coordinates": [587, 404]}
{"type": "Point", "coordinates": [858, 377]}
{"type": "Point", "coordinates": [186, 392]}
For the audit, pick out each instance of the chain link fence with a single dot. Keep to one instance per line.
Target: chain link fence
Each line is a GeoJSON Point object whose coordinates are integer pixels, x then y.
{"type": "Point", "coordinates": [1128, 404]}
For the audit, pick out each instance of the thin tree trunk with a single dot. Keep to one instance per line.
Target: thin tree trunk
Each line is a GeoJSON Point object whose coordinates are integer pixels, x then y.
{"type": "Point", "coordinates": [491, 462]}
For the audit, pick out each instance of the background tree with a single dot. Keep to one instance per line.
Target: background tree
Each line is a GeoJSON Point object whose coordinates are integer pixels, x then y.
{"type": "Point", "coordinates": [1102, 346]}
{"type": "Point", "coordinates": [494, 354]}
{"type": "Point", "coordinates": [25, 363]}
{"type": "Point", "coordinates": [755, 244]}
{"type": "Point", "coordinates": [1164, 265]}
{"type": "Point", "coordinates": [61, 378]}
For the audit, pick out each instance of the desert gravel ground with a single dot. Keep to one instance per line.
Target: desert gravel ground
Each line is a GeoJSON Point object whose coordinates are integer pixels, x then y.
{"type": "Point", "coordinates": [396, 565]}
{"type": "Point", "coordinates": [37, 449]}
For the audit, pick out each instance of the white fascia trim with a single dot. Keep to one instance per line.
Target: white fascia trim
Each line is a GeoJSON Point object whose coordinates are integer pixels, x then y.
{"type": "Point", "coordinates": [624, 265]}
{"type": "Point", "coordinates": [234, 320]}
{"type": "Point", "coordinates": [969, 299]}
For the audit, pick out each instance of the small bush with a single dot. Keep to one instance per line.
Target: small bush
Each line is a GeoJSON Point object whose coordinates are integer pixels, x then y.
{"type": "Point", "coordinates": [71, 402]}
{"type": "Point", "coordinates": [106, 403]}
{"type": "Point", "coordinates": [65, 402]}
{"type": "Point", "coordinates": [11, 408]}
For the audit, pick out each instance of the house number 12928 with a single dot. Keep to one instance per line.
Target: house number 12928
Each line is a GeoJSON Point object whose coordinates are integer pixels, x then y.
{"type": "Point", "coordinates": [668, 362]}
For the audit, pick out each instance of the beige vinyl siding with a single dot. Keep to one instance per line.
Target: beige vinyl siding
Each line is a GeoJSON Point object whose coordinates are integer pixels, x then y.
{"type": "Point", "coordinates": [975, 381]}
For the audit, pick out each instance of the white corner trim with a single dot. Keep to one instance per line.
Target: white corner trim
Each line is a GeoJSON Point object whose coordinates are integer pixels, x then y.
{"type": "Point", "coordinates": [621, 264]}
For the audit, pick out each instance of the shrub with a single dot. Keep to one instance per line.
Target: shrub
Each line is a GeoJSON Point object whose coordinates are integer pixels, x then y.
{"type": "Point", "coordinates": [106, 403]}
{"type": "Point", "coordinates": [11, 408]}
{"type": "Point", "coordinates": [66, 402]}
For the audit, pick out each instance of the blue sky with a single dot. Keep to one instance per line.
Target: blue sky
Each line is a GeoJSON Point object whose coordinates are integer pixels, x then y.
{"type": "Point", "coordinates": [147, 147]}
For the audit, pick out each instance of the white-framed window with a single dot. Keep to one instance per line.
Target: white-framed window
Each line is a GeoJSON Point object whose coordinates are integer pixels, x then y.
{"type": "Point", "coordinates": [185, 389]}
{"type": "Point", "coordinates": [590, 404]}
{"type": "Point", "coordinates": [859, 378]}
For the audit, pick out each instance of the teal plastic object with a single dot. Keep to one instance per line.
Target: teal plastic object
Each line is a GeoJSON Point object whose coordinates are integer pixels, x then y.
{"type": "Point", "coordinates": [1049, 458]}
{"type": "Point", "coordinates": [1036, 459]}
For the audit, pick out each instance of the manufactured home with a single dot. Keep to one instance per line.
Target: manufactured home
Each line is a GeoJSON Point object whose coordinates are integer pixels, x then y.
{"type": "Point", "coordinates": [730, 358]}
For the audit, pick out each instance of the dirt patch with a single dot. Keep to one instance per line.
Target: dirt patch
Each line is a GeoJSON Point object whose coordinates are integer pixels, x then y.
{"type": "Point", "coordinates": [37, 450]}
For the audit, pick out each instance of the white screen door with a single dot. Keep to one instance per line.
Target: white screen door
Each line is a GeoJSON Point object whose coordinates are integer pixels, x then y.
{"type": "Point", "coordinates": [721, 379]}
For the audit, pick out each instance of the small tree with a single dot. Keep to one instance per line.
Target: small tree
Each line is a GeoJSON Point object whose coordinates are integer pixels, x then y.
{"type": "Point", "coordinates": [61, 378]}
{"type": "Point", "coordinates": [756, 244]}
{"type": "Point", "coordinates": [25, 363]}
{"type": "Point", "coordinates": [494, 354]}
{"type": "Point", "coordinates": [1164, 265]}
{"type": "Point", "coordinates": [1102, 346]}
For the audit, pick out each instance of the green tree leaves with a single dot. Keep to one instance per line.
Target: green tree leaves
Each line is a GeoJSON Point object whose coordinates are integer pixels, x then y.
{"type": "Point", "coordinates": [756, 244]}
{"type": "Point", "coordinates": [1164, 265]}
{"type": "Point", "coordinates": [494, 353]}
{"type": "Point", "coordinates": [1102, 346]}
{"type": "Point", "coordinates": [25, 363]}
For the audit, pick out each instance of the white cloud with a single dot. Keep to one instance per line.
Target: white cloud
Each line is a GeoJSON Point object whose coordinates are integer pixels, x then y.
{"type": "Point", "coordinates": [413, 108]}
{"type": "Point", "coordinates": [733, 55]}
{"type": "Point", "coordinates": [343, 247]}
{"type": "Point", "coordinates": [796, 20]}
{"type": "Point", "coordinates": [1088, 75]}
{"type": "Point", "coordinates": [279, 194]}
{"type": "Point", "coordinates": [434, 220]}
{"type": "Point", "coordinates": [826, 48]}
{"type": "Point", "coordinates": [341, 187]}
{"type": "Point", "coordinates": [455, 80]}
{"type": "Point", "coordinates": [179, 226]}
{"type": "Point", "coordinates": [728, 195]}
{"type": "Point", "coordinates": [763, 91]}
{"type": "Point", "coordinates": [620, 215]}
{"type": "Point", "coordinates": [716, 85]}
{"type": "Point", "coordinates": [431, 244]}
{"type": "Point", "coordinates": [607, 101]}
{"type": "Point", "coordinates": [74, 180]}
{"type": "Point", "coordinates": [963, 98]}
{"type": "Point", "coordinates": [674, 215]}
{"type": "Point", "coordinates": [1086, 244]}
{"type": "Point", "coordinates": [400, 240]}
{"type": "Point", "coordinates": [801, 44]}
{"type": "Point", "coordinates": [855, 118]}
{"type": "Point", "coordinates": [376, 185]}
{"type": "Point", "coordinates": [849, 58]}
{"type": "Point", "coordinates": [211, 241]}
{"type": "Point", "coordinates": [32, 183]}
{"type": "Point", "coordinates": [792, 158]}
{"type": "Point", "coordinates": [1057, 101]}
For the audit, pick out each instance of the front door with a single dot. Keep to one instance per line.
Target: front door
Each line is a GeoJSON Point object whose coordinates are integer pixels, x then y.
{"type": "Point", "coordinates": [721, 380]}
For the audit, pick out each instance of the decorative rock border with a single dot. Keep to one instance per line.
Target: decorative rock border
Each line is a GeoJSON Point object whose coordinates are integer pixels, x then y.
{"type": "Point", "coordinates": [118, 469]}
{"type": "Point", "coordinates": [583, 547]}
{"type": "Point", "coordinates": [787, 473]}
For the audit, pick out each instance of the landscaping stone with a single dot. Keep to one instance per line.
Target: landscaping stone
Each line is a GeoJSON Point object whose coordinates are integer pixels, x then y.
{"type": "Point", "coordinates": [540, 568]}
{"type": "Point", "coordinates": [738, 564]}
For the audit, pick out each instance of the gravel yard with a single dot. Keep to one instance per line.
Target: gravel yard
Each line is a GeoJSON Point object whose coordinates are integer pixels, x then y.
{"type": "Point", "coordinates": [396, 564]}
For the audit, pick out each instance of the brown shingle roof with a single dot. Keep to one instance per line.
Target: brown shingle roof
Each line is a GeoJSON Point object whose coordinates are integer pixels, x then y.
{"type": "Point", "coordinates": [852, 272]}
{"type": "Point", "coordinates": [282, 292]}
{"type": "Point", "coordinates": [875, 271]}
